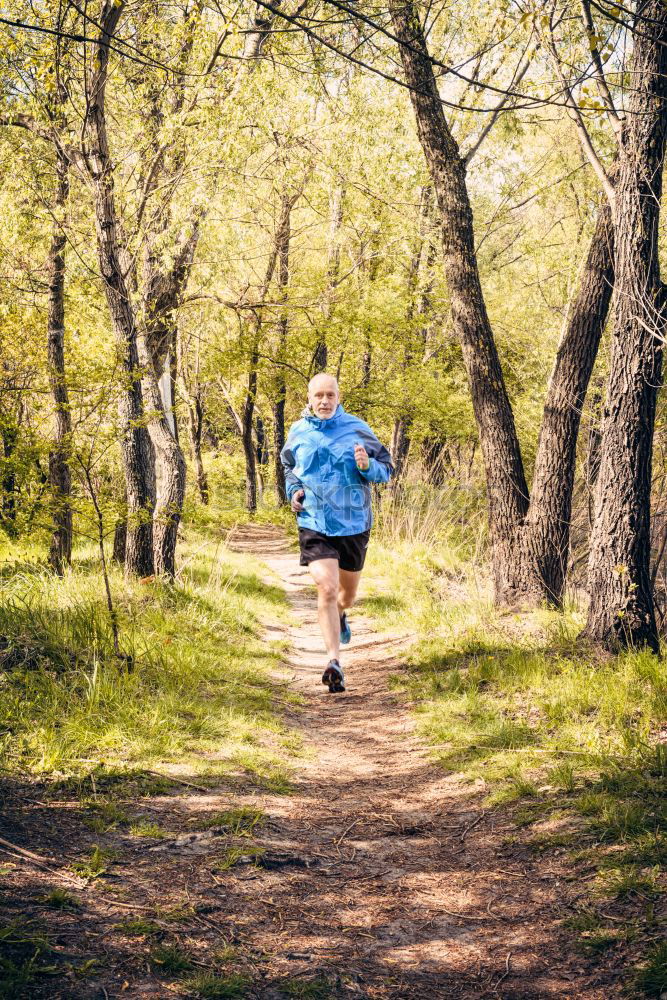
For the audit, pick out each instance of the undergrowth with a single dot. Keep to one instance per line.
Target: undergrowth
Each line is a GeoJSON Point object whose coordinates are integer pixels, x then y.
{"type": "Point", "coordinates": [196, 690]}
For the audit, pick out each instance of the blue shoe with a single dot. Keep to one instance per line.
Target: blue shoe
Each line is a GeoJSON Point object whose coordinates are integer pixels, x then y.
{"type": "Point", "coordinates": [333, 677]}
{"type": "Point", "coordinates": [345, 630]}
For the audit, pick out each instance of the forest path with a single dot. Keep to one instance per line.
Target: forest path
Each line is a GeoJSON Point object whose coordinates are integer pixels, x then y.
{"type": "Point", "coordinates": [378, 876]}
{"type": "Point", "coordinates": [402, 883]}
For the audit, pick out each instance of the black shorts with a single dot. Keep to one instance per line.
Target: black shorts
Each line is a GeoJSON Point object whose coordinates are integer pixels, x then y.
{"type": "Point", "coordinates": [349, 550]}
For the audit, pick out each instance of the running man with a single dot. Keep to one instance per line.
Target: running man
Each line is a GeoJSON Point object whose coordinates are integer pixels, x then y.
{"type": "Point", "coordinates": [329, 459]}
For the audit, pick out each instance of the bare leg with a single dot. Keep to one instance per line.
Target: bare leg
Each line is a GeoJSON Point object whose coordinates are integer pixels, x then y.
{"type": "Point", "coordinates": [348, 584]}
{"type": "Point", "coordinates": [325, 574]}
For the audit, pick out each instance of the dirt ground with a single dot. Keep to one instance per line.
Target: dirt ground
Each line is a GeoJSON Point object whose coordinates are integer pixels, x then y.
{"type": "Point", "coordinates": [381, 875]}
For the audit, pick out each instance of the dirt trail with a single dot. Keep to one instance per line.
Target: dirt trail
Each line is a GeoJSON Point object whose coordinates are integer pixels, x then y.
{"type": "Point", "coordinates": [382, 875]}
{"type": "Point", "coordinates": [410, 890]}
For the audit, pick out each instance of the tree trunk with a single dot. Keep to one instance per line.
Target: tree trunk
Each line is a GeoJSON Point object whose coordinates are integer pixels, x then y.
{"type": "Point", "coordinates": [280, 245]}
{"type": "Point", "coordinates": [433, 450]}
{"type": "Point", "coordinates": [195, 422]}
{"type": "Point", "coordinates": [194, 406]}
{"type": "Point", "coordinates": [400, 446]}
{"type": "Point", "coordinates": [119, 542]}
{"type": "Point", "coordinates": [321, 355]}
{"type": "Point", "coordinates": [546, 535]}
{"type": "Point", "coordinates": [246, 429]}
{"type": "Point", "coordinates": [621, 611]}
{"type": "Point", "coordinates": [279, 443]}
{"type": "Point", "coordinates": [419, 287]}
{"type": "Point", "coordinates": [530, 540]}
{"type": "Point", "coordinates": [280, 392]}
{"type": "Point", "coordinates": [170, 470]}
{"type": "Point", "coordinates": [506, 483]}
{"type": "Point", "coordinates": [9, 438]}
{"type": "Point", "coordinates": [60, 476]}
{"type": "Point", "coordinates": [135, 446]}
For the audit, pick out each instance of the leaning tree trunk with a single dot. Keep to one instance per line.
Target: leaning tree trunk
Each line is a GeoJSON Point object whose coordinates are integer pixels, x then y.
{"type": "Point", "coordinates": [246, 428]}
{"type": "Point", "coordinates": [546, 534]}
{"type": "Point", "coordinates": [195, 425]}
{"type": "Point", "coordinates": [283, 241]}
{"type": "Point", "coordinates": [194, 408]}
{"type": "Point", "coordinates": [621, 611]}
{"type": "Point", "coordinates": [170, 470]}
{"type": "Point", "coordinates": [60, 476]}
{"type": "Point", "coordinates": [506, 484]}
{"type": "Point", "coordinates": [162, 295]}
{"type": "Point", "coordinates": [135, 446]}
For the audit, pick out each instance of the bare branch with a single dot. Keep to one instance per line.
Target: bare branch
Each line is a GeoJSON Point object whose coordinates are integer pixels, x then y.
{"type": "Point", "coordinates": [605, 94]}
{"type": "Point", "coordinates": [50, 135]}
{"type": "Point", "coordinates": [578, 119]}
{"type": "Point", "coordinates": [518, 77]}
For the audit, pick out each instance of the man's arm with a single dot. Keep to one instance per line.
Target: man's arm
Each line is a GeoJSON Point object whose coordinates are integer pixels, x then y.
{"type": "Point", "coordinates": [380, 468]}
{"type": "Point", "coordinates": [292, 481]}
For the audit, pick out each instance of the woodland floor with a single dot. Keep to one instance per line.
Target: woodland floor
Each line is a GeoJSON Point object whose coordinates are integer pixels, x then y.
{"type": "Point", "coordinates": [380, 875]}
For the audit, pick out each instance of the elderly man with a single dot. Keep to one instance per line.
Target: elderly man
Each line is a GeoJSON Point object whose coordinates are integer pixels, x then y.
{"type": "Point", "coordinates": [330, 459]}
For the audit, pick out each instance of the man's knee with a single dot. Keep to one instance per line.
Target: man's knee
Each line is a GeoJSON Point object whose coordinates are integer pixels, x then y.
{"type": "Point", "coordinates": [328, 590]}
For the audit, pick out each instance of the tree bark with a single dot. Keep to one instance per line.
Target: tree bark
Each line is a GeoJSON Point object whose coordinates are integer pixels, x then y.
{"type": "Point", "coordinates": [135, 446]}
{"type": "Point", "coordinates": [195, 422]}
{"type": "Point", "coordinates": [246, 425]}
{"type": "Point", "coordinates": [170, 469]}
{"type": "Point", "coordinates": [194, 404]}
{"type": "Point", "coordinates": [162, 295]}
{"type": "Point", "coordinates": [60, 476]}
{"type": "Point", "coordinates": [283, 240]}
{"type": "Point", "coordinates": [400, 446]}
{"type": "Point", "coordinates": [433, 450]}
{"type": "Point", "coordinates": [546, 534]}
{"type": "Point", "coordinates": [621, 611]}
{"type": "Point", "coordinates": [506, 483]}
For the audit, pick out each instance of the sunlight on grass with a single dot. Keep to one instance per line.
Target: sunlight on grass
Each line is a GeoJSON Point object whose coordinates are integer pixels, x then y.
{"type": "Point", "coordinates": [199, 689]}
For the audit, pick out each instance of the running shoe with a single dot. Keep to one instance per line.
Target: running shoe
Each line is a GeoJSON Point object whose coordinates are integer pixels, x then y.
{"type": "Point", "coordinates": [345, 630]}
{"type": "Point", "coordinates": [333, 677]}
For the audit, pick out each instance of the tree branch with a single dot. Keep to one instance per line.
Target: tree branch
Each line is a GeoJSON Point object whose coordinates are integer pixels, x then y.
{"type": "Point", "coordinates": [613, 115]}
{"type": "Point", "coordinates": [577, 117]}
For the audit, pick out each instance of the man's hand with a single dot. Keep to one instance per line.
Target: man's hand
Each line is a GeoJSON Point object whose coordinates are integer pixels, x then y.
{"type": "Point", "coordinates": [296, 504]}
{"type": "Point", "coordinates": [361, 457]}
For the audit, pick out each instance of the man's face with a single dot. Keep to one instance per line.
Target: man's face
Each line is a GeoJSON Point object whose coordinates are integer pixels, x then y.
{"type": "Point", "coordinates": [323, 397]}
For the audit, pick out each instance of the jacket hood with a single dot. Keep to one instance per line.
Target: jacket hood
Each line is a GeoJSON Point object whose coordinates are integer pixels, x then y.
{"type": "Point", "coordinates": [320, 422]}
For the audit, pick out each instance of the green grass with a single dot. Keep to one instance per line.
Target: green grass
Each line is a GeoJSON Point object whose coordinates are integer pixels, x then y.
{"type": "Point", "coordinates": [651, 980]}
{"type": "Point", "coordinates": [240, 822]}
{"type": "Point", "coordinates": [23, 951]}
{"type": "Point", "coordinates": [97, 864]}
{"type": "Point", "coordinates": [211, 986]}
{"type": "Point", "coordinates": [200, 694]}
{"type": "Point", "coordinates": [138, 927]}
{"type": "Point", "coordinates": [306, 989]}
{"type": "Point", "coordinates": [231, 857]}
{"type": "Point", "coordinates": [170, 959]}
{"type": "Point", "coordinates": [60, 899]}
{"type": "Point", "coordinates": [143, 827]}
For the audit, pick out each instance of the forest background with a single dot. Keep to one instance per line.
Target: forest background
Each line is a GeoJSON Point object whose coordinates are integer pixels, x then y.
{"type": "Point", "coordinates": [454, 209]}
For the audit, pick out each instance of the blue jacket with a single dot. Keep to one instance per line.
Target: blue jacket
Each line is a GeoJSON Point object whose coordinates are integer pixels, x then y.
{"type": "Point", "coordinates": [319, 458]}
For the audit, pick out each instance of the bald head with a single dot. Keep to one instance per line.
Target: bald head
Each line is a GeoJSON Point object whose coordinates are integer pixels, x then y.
{"type": "Point", "coordinates": [323, 395]}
